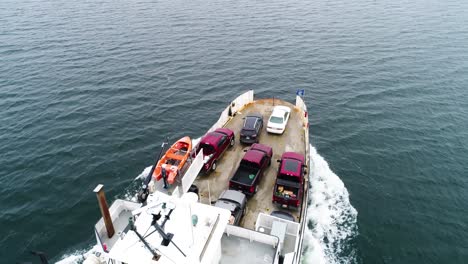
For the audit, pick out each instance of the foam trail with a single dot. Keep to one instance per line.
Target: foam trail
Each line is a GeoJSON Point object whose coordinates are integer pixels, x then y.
{"type": "Point", "coordinates": [332, 218]}
{"type": "Point", "coordinates": [144, 173]}
{"type": "Point", "coordinates": [77, 257]}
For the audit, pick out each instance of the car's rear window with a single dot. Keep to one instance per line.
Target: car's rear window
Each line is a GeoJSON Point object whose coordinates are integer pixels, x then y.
{"type": "Point", "coordinates": [277, 120]}
{"type": "Point", "coordinates": [249, 164]}
{"type": "Point", "coordinates": [288, 178]}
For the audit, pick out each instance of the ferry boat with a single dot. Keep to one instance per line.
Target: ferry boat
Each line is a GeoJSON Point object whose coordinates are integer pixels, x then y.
{"type": "Point", "coordinates": [180, 224]}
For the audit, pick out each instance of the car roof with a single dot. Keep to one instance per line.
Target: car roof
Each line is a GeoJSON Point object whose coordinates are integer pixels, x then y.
{"type": "Point", "coordinates": [290, 166]}
{"type": "Point", "coordinates": [283, 215]}
{"type": "Point", "coordinates": [225, 205]}
{"type": "Point", "coordinates": [279, 110]}
{"type": "Point", "coordinates": [261, 147]}
{"type": "Point", "coordinates": [233, 195]}
{"type": "Point", "coordinates": [213, 138]}
{"type": "Point", "coordinates": [291, 162]}
{"type": "Point", "coordinates": [250, 122]}
{"type": "Point", "coordinates": [254, 156]}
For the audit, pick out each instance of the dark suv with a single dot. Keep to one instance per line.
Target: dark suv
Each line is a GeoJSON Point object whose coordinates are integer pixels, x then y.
{"type": "Point", "coordinates": [251, 129]}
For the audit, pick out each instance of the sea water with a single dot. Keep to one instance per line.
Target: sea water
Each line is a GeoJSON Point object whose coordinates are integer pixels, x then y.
{"type": "Point", "coordinates": [90, 89]}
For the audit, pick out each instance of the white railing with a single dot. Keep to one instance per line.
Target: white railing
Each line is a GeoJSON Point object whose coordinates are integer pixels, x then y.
{"type": "Point", "coordinates": [305, 119]}
{"type": "Point", "coordinates": [192, 172]}
{"type": "Point", "coordinates": [252, 235]}
{"type": "Point", "coordinates": [305, 122]}
{"type": "Point", "coordinates": [116, 208]}
{"type": "Point", "coordinates": [266, 221]}
{"type": "Point", "coordinates": [236, 105]}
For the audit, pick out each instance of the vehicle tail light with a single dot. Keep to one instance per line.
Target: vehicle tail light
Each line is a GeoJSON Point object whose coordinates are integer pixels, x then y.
{"type": "Point", "coordinates": [252, 189]}
{"type": "Point", "coordinates": [297, 203]}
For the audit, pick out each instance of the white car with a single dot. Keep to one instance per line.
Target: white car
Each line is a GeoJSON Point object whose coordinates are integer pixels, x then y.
{"type": "Point", "coordinates": [278, 119]}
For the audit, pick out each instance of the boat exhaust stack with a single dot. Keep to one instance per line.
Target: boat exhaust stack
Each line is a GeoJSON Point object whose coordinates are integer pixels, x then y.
{"type": "Point", "coordinates": [99, 190]}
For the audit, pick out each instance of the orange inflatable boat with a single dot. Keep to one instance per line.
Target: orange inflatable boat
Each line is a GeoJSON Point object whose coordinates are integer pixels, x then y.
{"type": "Point", "coordinates": [174, 160]}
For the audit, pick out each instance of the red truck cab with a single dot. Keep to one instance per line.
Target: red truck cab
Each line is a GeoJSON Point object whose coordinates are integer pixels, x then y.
{"type": "Point", "coordinates": [289, 186]}
{"type": "Point", "coordinates": [251, 169]}
{"type": "Point", "coordinates": [214, 144]}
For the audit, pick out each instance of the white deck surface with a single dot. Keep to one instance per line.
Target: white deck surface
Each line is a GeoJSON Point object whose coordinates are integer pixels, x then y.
{"type": "Point", "coordinates": [194, 242]}
{"type": "Point", "coordinates": [236, 250]}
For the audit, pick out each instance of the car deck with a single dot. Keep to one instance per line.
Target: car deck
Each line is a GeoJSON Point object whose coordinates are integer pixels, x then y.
{"type": "Point", "coordinates": [211, 185]}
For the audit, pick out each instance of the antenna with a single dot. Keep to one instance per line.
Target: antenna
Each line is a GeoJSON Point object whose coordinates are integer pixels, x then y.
{"type": "Point", "coordinates": [167, 237]}
{"type": "Point", "coordinates": [144, 192]}
{"type": "Point", "coordinates": [156, 256]}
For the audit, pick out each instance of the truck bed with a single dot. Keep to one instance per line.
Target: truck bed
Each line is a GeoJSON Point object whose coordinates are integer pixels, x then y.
{"type": "Point", "coordinates": [245, 175]}
{"type": "Point", "coordinates": [211, 186]}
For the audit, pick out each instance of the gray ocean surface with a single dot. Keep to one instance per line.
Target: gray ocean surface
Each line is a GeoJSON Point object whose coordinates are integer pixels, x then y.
{"type": "Point", "coordinates": [89, 89]}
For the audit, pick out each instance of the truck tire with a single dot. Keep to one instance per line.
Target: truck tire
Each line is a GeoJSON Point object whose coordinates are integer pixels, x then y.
{"type": "Point", "coordinates": [213, 166]}
{"type": "Point", "coordinates": [256, 189]}
{"type": "Point", "coordinates": [233, 141]}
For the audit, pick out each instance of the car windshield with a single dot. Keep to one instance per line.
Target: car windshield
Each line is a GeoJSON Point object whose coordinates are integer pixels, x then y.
{"type": "Point", "coordinates": [207, 149]}
{"type": "Point", "coordinates": [283, 215]}
{"type": "Point", "coordinates": [277, 120]}
{"type": "Point", "coordinates": [249, 164]}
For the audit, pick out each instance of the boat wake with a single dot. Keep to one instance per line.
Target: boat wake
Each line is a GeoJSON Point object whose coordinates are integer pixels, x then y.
{"type": "Point", "coordinates": [332, 220]}
{"type": "Point", "coordinates": [78, 256]}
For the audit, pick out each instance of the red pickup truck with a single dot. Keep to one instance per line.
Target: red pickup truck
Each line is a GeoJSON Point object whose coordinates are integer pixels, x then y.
{"type": "Point", "coordinates": [251, 169]}
{"type": "Point", "coordinates": [214, 144]}
{"type": "Point", "coordinates": [289, 186]}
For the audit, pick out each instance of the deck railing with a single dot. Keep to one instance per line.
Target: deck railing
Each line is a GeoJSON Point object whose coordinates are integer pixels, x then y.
{"type": "Point", "coordinates": [237, 104]}
{"type": "Point", "coordinates": [305, 119]}
{"type": "Point", "coordinates": [252, 235]}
